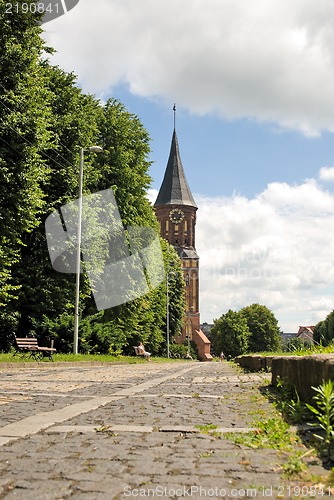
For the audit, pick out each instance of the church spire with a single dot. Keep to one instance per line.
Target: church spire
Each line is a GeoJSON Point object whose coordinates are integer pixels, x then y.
{"type": "Point", "coordinates": [174, 189]}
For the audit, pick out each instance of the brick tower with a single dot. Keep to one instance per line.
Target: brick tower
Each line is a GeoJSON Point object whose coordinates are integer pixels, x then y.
{"type": "Point", "coordinates": [175, 210]}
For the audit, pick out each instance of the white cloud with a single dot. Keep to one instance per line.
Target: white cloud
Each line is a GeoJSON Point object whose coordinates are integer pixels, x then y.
{"type": "Point", "coordinates": [152, 195]}
{"type": "Point", "coordinates": [271, 60]}
{"type": "Point", "coordinates": [326, 174]}
{"type": "Point", "coordinates": [275, 250]}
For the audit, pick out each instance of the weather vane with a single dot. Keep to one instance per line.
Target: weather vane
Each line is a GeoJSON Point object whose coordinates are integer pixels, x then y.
{"type": "Point", "coordinates": [174, 109]}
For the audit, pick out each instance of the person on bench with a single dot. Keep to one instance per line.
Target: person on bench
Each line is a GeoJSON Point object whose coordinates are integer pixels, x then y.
{"type": "Point", "coordinates": [142, 352]}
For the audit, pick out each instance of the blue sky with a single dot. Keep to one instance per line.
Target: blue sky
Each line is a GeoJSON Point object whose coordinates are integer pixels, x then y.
{"type": "Point", "coordinates": [223, 157]}
{"type": "Point", "coordinates": [253, 86]}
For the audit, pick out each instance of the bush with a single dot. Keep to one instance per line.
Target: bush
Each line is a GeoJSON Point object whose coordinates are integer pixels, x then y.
{"type": "Point", "coordinates": [101, 337]}
{"type": "Point", "coordinates": [181, 350]}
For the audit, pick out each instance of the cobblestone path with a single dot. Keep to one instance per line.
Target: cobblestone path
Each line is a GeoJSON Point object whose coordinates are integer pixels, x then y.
{"type": "Point", "coordinates": [119, 431]}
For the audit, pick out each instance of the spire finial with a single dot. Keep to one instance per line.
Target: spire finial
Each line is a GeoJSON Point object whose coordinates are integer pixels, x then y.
{"type": "Point", "coordinates": [174, 109]}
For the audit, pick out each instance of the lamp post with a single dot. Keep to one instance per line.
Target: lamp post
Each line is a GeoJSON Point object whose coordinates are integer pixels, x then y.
{"type": "Point", "coordinates": [92, 149]}
{"type": "Point", "coordinates": [188, 313]}
{"type": "Point", "coordinates": [171, 273]}
{"type": "Point", "coordinates": [189, 328]}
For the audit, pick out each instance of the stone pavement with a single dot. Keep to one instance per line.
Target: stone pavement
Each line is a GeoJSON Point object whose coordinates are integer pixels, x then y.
{"type": "Point", "coordinates": [114, 431]}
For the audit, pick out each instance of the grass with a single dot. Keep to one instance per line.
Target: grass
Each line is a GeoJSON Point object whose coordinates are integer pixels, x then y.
{"type": "Point", "coordinates": [206, 429]}
{"type": "Point", "coordinates": [271, 433]}
{"type": "Point", "coordinates": [294, 466]}
{"type": "Point", "coordinates": [298, 351]}
{"type": "Point", "coordinates": [274, 433]}
{"type": "Point", "coordinates": [77, 358]}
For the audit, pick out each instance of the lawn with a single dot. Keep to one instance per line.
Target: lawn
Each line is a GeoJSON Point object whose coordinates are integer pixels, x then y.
{"type": "Point", "coordinates": [77, 358]}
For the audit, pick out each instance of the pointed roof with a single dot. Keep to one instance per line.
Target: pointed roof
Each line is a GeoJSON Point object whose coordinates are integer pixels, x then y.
{"type": "Point", "coordinates": [174, 189]}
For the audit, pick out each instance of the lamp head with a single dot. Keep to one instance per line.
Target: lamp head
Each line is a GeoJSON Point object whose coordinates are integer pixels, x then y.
{"type": "Point", "coordinates": [95, 149]}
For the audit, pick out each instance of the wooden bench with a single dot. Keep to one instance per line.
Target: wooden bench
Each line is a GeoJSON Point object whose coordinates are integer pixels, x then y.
{"type": "Point", "coordinates": [140, 352]}
{"type": "Point", "coordinates": [28, 346]}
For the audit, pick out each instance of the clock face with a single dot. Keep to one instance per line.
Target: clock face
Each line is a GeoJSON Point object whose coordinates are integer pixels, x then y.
{"type": "Point", "coordinates": [176, 216]}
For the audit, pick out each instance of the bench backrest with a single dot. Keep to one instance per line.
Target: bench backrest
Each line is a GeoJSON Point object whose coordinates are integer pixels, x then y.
{"type": "Point", "coordinates": [27, 342]}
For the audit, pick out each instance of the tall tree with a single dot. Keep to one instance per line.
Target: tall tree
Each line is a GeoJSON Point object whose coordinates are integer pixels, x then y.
{"type": "Point", "coordinates": [124, 164]}
{"type": "Point", "coordinates": [263, 327]}
{"type": "Point", "coordinates": [230, 334]}
{"type": "Point", "coordinates": [24, 113]}
{"type": "Point", "coordinates": [73, 124]}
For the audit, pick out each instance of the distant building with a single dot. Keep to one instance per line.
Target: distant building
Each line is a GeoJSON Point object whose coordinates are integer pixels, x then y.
{"type": "Point", "coordinates": [287, 337]}
{"type": "Point", "coordinates": [206, 328]}
{"type": "Point", "coordinates": [305, 334]}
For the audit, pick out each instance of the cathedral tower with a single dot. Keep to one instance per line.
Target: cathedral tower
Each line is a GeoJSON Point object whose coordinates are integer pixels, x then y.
{"type": "Point", "coordinates": [175, 210]}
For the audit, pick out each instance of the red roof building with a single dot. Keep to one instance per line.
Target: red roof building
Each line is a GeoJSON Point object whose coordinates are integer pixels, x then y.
{"type": "Point", "coordinates": [305, 333]}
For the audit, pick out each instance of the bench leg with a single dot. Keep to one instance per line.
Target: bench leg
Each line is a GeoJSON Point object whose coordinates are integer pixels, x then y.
{"type": "Point", "coordinates": [35, 354]}
{"type": "Point", "coordinates": [23, 354]}
{"type": "Point", "coordinates": [47, 354]}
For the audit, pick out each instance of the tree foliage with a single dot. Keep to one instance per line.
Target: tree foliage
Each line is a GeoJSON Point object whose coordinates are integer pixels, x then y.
{"type": "Point", "coordinates": [230, 334]}
{"type": "Point", "coordinates": [252, 329]}
{"type": "Point", "coordinates": [324, 330]}
{"type": "Point", "coordinates": [43, 291]}
{"type": "Point", "coordinates": [263, 326]}
{"type": "Point", "coordinates": [23, 138]}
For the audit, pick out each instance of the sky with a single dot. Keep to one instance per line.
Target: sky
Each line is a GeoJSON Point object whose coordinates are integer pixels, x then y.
{"type": "Point", "coordinates": [254, 93]}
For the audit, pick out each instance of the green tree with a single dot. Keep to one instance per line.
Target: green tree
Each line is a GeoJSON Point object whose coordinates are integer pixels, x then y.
{"type": "Point", "coordinates": [230, 333]}
{"type": "Point", "coordinates": [123, 166]}
{"type": "Point", "coordinates": [263, 326]}
{"type": "Point", "coordinates": [318, 334]}
{"type": "Point", "coordinates": [24, 137]}
{"type": "Point", "coordinates": [324, 330]}
{"type": "Point", "coordinates": [73, 123]}
{"type": "Point", "coordinates": [143, 319]}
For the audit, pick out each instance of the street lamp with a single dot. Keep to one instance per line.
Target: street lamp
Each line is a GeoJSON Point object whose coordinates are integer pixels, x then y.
{"type": "Point", "coordinates": [171, 273]}
{"type": "Point", "coordinates": [92, 149]}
